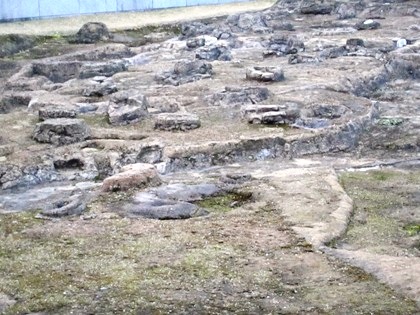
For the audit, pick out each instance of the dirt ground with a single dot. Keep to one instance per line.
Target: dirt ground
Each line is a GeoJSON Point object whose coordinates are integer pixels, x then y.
{"type": "Point", "coordinates": [252, 259]}
{"type": "Point", "coordinates": [129, 20]}
{"type": "Point", "coordinates": [330, 219]}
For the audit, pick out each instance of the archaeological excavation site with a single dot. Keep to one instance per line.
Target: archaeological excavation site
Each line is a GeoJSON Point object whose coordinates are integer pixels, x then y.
{"type": "Point", "coordinates": [252, 158]}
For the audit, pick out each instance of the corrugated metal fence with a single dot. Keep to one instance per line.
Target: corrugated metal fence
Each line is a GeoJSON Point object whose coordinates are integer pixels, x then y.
{"type": "Point", "coordinates": [35, 9]}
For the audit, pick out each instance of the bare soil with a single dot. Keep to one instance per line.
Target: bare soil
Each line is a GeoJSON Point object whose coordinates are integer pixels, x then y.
{"type": "Point", "coordinates": [129, 20]}
{"type": "Point", "coordinates": [332, 225]}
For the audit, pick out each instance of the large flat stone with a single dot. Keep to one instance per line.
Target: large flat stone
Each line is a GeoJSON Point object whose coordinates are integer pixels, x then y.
{"type": "Point", "coordinates": [137, 175]}
{"type": "Point", "coordinates": [61, 131]}
{"type": "Point", "coordinates": [177, 121]}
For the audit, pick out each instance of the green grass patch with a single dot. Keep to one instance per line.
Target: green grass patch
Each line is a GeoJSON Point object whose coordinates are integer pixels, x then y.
{"type": "Point", "coordinates": [371, 191]}
{"type": "Point", "coordinates": [41, 47]}
{"type": "Point", "coordinates": [382, 203]}
{"type": "Point", "coordinates": [412, 229]}
{"type": "Point", "coordinates": [14, 223]}
{"type": "Point", "coordinates": [388, 122]}
{"type": "Point", "coordinates": [226, 202]}
{"type": "Point", "coordinates": [101, 121]}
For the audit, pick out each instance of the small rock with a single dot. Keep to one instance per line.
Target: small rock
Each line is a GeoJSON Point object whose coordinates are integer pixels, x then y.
{"type": "Point", "coordinates": [185, 68]}
{"type": "Point", "coordinates": [355, 42]}
{"type": "Point", "coordinates": [177, 121]}
{"type": "Point", "coordinates": [56, 112]}
{"type": "Point", "coordinates": [271, 114]}
{"type": "Point", "coordinates": [333, 52]}
{"type": "Point", "coordinates": [137, 175]}
{"type": "Point", "coordinates": [75, 205]}
{"type": "Point", "coordinates": [100, 88]}
{"type": "Point", "coordinates": [328, 111]}
{"type": "Point", "coordinates": [258, 109]}
{"type": "Point", "coordinates": [239, 96]}
{"type": "Point", "coordinates": [367, 25]}
{"type": "Point", "coordinates": [295, 59]}
{"type": "Point", "coordinates": [252, 22]}
{"type": "Point", "coordinates": [223, 33]}
{"type": "Point", "coordinates": [270, 118]}
{"type": "Point", "coordinates": [315, 8]}
{"type": "Point", "coordinates": [195, 42]}
{"type": "Point", "coordinates": [92, 32]}
{"type": "Point", "coordinates": [128, 107]}
{"type": "Point", "coordinates": [192, 29]}
{"type": "Point", "coordinates": [10, 175]}
{"type": "Point", "coordinates": [186, 71]}
{"type": "Point", "coordinates": [265, 74]}
{"type": "Point", "coordinates": [214, 53]}
{"type": "Point", "coordinates": [61, 131]}
{"type": "Point", "coordinates": [281, 45]}
{"type": "Point", "coordinates": [107, 69]}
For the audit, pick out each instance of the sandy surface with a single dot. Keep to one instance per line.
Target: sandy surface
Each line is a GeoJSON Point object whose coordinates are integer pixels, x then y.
{"type": "Point", "coordinates": [119, 21]}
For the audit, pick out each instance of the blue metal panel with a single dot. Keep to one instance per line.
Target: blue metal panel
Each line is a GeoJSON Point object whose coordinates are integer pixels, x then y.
{"type": "Point", "coordinates": [12, 9]}
{"type": "Point", "coordinates": [201, 2]}
{"type": "Point", "coordinates": [193, 2]}
{"type": "Point", "coordinates": [21, 9]}
{"type": "Point", "coordinates": [134, 5]}
{"type": "Point", "coordinates": [97, 6]}
{"type": "Point", "coordinates": [62, 7]}
{"type": "Point", "coordinates": [160, 4]}
{"type": "Point", "coordinates": [229, 1]}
